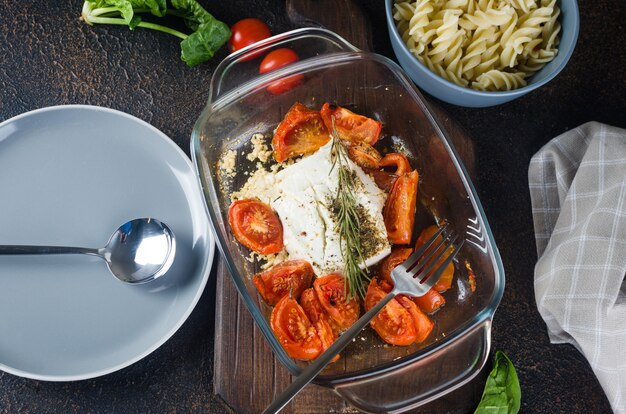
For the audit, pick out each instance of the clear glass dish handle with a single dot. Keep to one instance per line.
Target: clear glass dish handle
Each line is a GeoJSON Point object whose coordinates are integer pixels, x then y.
{"type": "Point", "coordinates": [422, 381]}
{"type": "Point", "coordinates": [242, 66]}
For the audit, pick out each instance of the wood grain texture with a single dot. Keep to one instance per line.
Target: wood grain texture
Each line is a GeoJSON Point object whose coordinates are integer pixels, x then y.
{"type": "Point", "coordinates": [247, 376]}
{"type": "Point", "coordinates": [343, 17]}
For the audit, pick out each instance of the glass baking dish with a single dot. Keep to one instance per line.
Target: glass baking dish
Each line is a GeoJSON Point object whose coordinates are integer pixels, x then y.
{"type": "Point", "coordinates": [335, 71]}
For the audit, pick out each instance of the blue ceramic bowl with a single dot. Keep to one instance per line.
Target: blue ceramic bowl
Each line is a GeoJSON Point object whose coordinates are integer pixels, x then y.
{"type": "Point", "coordinates": [458, 95]}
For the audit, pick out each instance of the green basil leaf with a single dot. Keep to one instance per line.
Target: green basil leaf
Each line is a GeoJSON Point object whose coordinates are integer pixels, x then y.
{"type": "Point", "coordinates": [502, 394]}
{"type": "Point", "coordinates": [202, 44]}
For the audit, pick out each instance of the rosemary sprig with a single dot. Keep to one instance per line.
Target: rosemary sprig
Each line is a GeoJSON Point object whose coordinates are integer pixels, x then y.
{"type": "Point", "coordinates": [348, 224]}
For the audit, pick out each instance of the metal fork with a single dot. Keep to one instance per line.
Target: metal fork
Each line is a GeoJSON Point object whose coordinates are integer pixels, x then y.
{"type": "Point", "coordinates": [414, 277]}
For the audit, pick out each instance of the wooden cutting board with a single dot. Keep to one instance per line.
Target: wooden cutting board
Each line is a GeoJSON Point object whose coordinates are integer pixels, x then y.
{"type": "Point", "coordinates": [246, 375]}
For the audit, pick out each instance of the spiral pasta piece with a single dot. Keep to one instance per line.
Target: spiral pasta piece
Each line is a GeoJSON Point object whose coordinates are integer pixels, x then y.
{"type": "Point", "coordinates": [447, 37]}
{"type": "Point", "coordinates": [497, 80]}
{"type": "Point", "coordinates": [523, 5]}
{"type": "Point", "coordinates": [482, 44]}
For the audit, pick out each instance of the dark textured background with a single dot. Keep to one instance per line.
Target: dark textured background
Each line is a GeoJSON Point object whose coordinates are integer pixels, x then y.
{"type": "Point", "coordinates": [49, 57]}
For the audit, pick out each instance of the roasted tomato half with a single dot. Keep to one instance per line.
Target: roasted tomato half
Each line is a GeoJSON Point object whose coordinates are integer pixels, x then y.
{"type": "Point", "coordinates": [256, 226]}
{"type": "Point", "coordinates": [302, 131]}
{"type": "Point", "coordinates": [286, 278]}
{"type": "Point", "coordinates": [294, 330]}
{"type": "Point", "coordinates": [423, 324]}
{"type": "Point", "coordinates": [350, 126]}
{"type": "Point", "coordinates": [399, 210]}
{"type": "Point", "coordinates": [394, 324]}
{"type": "Point", "coordinates": [331, 293]}
{"type": "Point", "coordinates": [445, 280]}
{"type": "Point", "coordinates": [431, 301]}
{"type": "Point", "coordinates": [364, 155]}
{"type": "Point", "coordinates": [319, 318]}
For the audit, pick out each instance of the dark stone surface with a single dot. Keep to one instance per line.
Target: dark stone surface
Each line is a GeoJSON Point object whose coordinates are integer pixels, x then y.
{"type": "Point", "coordinates": [49, 57]}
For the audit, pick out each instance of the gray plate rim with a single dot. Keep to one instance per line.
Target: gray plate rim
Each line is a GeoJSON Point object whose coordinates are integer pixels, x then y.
{"type": "Point", "coordinates": [205, 271]}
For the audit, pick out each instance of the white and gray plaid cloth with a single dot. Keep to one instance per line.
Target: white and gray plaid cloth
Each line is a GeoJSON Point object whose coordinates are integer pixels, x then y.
{"type": "Point", "coordinates": [578, 191]}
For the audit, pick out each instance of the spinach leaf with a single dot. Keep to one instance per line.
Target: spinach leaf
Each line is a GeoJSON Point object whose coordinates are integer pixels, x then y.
{"type": "Point", "coordinates": [209, 34]}
{"type": "Point", "coordinates": [156, 7]}
{"type": "Point", "coordinates": [134, 22]}
{"type": "Point", "coordinates": [502, 394]}
{"type": "Point", "coordinates": [202, 44]}
{"type": "Point", "coordinates": [124, 7]}
{"type": "Point", "coordinates": [192, 12]}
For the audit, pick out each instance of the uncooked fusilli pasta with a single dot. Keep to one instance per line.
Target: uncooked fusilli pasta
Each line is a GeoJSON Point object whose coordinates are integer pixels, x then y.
{"type": "Point", "coordinates": [483, 44]}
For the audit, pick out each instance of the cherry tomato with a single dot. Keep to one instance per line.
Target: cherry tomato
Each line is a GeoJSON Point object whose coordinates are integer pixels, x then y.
{"type": "Point", "coordinates": [319, 318]}
{"type": "Point", "coordinates": [431, 301]}
{"type": "Point", "coordinates": [399, 210]}
{"type": "Point", "coordinates": [286, 278]}
{"type": "Point", "coordinates": [398, 256]}
{"type": "Point", "coordinates": [394, 324]}
{"type": "Point", "coordinates": [330, 290]}
{"type": "Point", "coordinates": [246, 32]}
{"type": "Point", "coordinates": [300, 132]}
{"type": "Point", "coordinates": [423, 324]}
{"type": "Point", "coordinates": [445, 280]}
{"type": "Point", "coordinates": [277, 59]}
{"type": "Point", "coordinates": [364, 155]}
{"type": "Point", "coordinates": [256, 226]}
{"type": "Point", "coordinates": [351, 126]}
{"type": "Point", "coordinates": [294, 330]}
{"type": "Point", "coordinates": [394, 159]}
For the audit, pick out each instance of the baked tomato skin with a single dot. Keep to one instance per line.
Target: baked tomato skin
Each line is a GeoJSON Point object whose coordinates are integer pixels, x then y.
{"type": "Point", "coordinates": [445, 280]}
{"type": "Point", "coordinates": [294, 331]}
{"type": "Point", "coordinates": [319, 318]}
{"type": "Point", "coordinates": [301, 131]}
{"type": "Point", "coordinates": [246, 32]}
{"type": "Point", "coordinates": [423, 324]}
{"type": "Point", "coordinates": [286, 278]}
{"type": "Point", "coordinates": [399, 161]}
{"type": "Point", "coordinates": [330, 290]}
{"type": "Point", "coordinates": [431, 301]}
{"type": "Point", "coordinates": [397, 256]}
{"type": "Point", "coordinates": [394, 324]}
{"type": "Point", "coordinates": [350, 126]}
{"type": "Point", "coordinates": [364, 155]}
{"type": "Point", "coordinates": [399, 210]}
{"type": "Point", "coordinates": [384, 179]}
{"type": "Point", "coordinates": [277, 59]}
{"type": "Point", "coordinates": [256, 226]}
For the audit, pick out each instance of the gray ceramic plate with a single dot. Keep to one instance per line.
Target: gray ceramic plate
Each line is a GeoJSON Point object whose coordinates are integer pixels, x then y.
{"type": "Point", "coordinates": [69, 175]}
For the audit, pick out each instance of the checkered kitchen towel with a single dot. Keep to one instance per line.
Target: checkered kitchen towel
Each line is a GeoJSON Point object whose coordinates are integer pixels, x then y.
{"type": "Point", "coordinates": [578, 190]}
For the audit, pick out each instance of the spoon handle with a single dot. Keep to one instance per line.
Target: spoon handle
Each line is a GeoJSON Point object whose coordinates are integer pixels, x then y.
{"type": "Point", "coordinates": [16, 249]}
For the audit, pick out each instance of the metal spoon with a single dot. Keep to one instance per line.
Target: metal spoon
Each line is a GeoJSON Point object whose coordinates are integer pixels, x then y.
{"type": "Point", "coordinates": [139, 251]}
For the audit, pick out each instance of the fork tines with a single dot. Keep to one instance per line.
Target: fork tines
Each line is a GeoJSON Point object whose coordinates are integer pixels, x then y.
{"type": "Point", "coordinates": [423, 260]}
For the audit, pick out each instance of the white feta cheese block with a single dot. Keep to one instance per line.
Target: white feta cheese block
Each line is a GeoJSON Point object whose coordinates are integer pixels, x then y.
{"type": "Point", "coordinates": [302, 197]}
